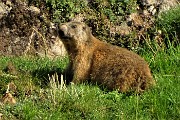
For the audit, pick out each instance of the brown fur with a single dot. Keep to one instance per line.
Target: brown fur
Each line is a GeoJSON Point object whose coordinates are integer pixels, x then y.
{"type": "Point", "coordinates": [103, 63]}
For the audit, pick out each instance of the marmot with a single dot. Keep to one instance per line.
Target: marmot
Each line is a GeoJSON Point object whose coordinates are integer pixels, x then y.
{"type": "Point", "coordinates": [111, 66]}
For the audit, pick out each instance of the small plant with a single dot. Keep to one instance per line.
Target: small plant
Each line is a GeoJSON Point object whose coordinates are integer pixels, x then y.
{"type": "Point", "coordinates": [65, 10]}
{"type": "Point", "coordinates": [57, 87]}
{"type": "Point", "coordinates": [55, 83]}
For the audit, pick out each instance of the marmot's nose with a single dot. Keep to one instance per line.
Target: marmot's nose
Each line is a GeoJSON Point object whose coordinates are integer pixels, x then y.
{"type": "Point", "coordinates": [63, 27]}
{"type": "Point", "coordinates": [62, 30]}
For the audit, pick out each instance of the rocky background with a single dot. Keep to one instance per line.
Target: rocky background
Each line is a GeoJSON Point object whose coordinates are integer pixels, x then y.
{"type": "Point", "coordinates": [28, 27]}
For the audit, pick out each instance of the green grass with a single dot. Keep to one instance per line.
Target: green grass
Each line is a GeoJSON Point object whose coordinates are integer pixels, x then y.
{"type": "Point", "coordinates": [41, 94]}
{"type": "Point", "coordinates": [42, 97]}
{"type": "Point", "coordinates": [168, 23]}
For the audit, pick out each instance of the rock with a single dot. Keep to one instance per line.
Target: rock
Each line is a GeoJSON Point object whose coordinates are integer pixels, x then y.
{"type": "Point", "coordinates": [34, 10]}
{"type": "Point", "coordinates": [148, 2]}
{"type": "Point", "coordinates": [8, 99]}
{"type": "Point", "coordinates": [159, 6]}
{"type": "Point", "coordinates": [4, 9]}
{"type": "Point", "coordinates": [1, 116]}
{"type": "Point", "coordinates": [168, 4]}
{"type": "Point", "coordinates": [123, 29]}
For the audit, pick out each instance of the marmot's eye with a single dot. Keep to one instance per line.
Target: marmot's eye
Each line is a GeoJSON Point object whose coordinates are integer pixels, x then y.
{"type": "Point", "coordinates": [73, 26]}
{"type": "Point", "coordinates": [84, 28]}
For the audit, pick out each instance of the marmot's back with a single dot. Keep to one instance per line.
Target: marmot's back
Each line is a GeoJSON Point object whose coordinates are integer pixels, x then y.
{"type": "Point", "coordinates": [119, 68]}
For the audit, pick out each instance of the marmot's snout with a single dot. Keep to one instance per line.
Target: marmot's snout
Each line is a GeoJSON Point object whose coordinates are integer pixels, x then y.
{"type": "Point", "coordinates": [63, 31]}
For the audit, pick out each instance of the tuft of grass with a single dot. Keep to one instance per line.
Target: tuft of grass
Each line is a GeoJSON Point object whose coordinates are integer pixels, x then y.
{"type": "Point", "coordinates": [169, 23]}
{"type": "Point", "coordinates": [170, 20]}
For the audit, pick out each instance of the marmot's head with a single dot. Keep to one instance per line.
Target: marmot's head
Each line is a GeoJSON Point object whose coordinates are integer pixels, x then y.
{"type": "Point", "coordinates": [74, 32]}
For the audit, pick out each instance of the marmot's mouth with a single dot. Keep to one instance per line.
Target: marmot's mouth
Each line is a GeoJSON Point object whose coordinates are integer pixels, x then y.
{"type": "Point", "coordinates": [63, 35]}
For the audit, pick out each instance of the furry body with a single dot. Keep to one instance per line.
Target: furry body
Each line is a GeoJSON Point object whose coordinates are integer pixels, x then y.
{"type": "Point", "coordinates": [103, 63]}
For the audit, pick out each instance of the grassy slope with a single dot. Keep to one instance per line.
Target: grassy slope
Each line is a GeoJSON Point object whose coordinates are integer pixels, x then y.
{"type": "Point", "coordinates": [37, 98]}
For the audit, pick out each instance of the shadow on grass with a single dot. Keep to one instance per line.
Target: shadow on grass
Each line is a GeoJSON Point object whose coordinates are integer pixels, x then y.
{"type": "Point", "coordinates": [41, 76]}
